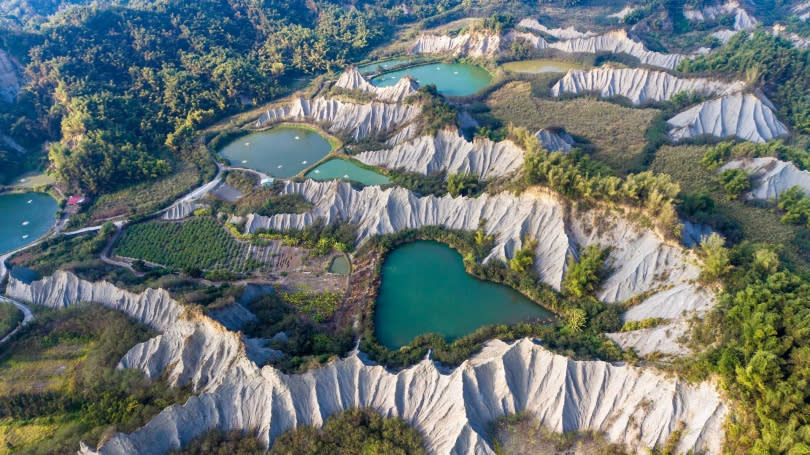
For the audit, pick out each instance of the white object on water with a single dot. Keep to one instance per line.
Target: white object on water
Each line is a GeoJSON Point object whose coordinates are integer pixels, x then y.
{"type": "Point", "coordinates": [345, 176]}
{"type": "Point", "coordinates": [297, 138]}
{"type": "Point", "coordinates": [244, 161]}
{"type": "Point", "coordinates": [30, 201]}
{"type": "Point", "coordinates": [279, 166]}
{"type": "Point", "coordinates": [317, 171]}
{"type": "Point", "coordinates": [304, 162]}
{"type": "Point", "coordinates": [247, 144]}
{"type": "Point", "coordinates": [25, 223]}
{"type": "Point", "coordinates": [455, 72]}
{"type": "Point", "coordinates": [25, 236]}
{"type": "Point", "coordinates": [22, 180]}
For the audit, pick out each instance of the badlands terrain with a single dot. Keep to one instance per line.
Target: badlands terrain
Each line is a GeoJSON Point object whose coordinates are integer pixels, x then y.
{"type": "Point", "coordinates": [228, 190]}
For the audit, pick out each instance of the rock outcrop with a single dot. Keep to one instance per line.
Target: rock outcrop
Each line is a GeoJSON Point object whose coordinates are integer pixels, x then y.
{"type": "Point", "coordinates": [741, 115]}
{"type": "Point", "coordinates": [638, 85]}
{"type": "Point", "coordinates": [742, 20]}
{"type": "Point", "coordinates": [617, 42]}
{"type": "Point", "coordinates": [772, 176]}
{"type": "Point", "coordinates": [450, 408]}
{"type": "Point", "coordinates": [555, 141]}
{"type": "Point", "coordinates": [183, 209]}
{"type": "Point", "coordinates": [559, 33]}
{"type": "Point", "coordinates": [10, 77]}
{"type": "Point", "coordinates": [802, 10]}
{"type": "Point", "coordinates": [356, 120]}
{"type": "Point", "coordinates": [472, 44]}
{"type": "Point", "coordinates": [352, 79]}
{"type": "Point", "coordinates": [448, 151]}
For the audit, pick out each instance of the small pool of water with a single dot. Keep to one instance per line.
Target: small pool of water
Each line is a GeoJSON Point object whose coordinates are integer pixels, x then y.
{"type": "Point", "coordinates": [425, 289]}
{"type": "Point", "coordinates": [340, 265]}
{"type": "Point", "coordinates": [283, 151]}
{"type": "Point", "coordinates": [540, 66]}
{"type": "Point", "coordinates": [385, 65]}
{"type": "Point", "coordinates": [456, 79]}
{"type": "Point", "coordinates": [345, 169]}
{"type": "Point", "coordinates": [24, 218]}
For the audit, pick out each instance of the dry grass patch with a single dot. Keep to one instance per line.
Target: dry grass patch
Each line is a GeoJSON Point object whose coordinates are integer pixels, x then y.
{"type": "Point", "coordinates": [616, 133]}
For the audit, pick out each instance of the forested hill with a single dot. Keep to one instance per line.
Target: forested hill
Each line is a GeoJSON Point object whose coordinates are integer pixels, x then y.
{"type": "Point", "coordinates": [121, 89]}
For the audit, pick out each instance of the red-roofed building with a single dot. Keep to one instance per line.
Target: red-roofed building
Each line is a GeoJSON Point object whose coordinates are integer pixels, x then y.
{"type": "Point", "coordinates": [76, 200]}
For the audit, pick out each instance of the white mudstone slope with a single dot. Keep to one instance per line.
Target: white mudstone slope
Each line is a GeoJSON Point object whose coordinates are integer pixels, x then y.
{"type": "Point", "coordinates": [559, 33]}
{"type": "Point", "coordinates": [742, 20]}
{"type": "Point", "coordinates": [10, 77]}
{"type": "Point", "coordinates": [356, 120]}
{"type": "Point", "coordinates": [472, 44]}
{"type": "Point", "coordinates": [641, 262]}
{"type": "Point", "coordinates": [450, 152]}
{"type": "Point", "coordinates": [352, 79]}
{"type": "Point", "coordinates": [451, 409]}
{"type": "Point", "coordinates": [742, 115]}
{"type": "Point", "coordinates": [554, 141]}
{"type": "Point", "coordinates": [772, 176]}
{"type": "Point", "coordinates": [617, 42]}
{"type": "Point", "coordinates": [638, 85]}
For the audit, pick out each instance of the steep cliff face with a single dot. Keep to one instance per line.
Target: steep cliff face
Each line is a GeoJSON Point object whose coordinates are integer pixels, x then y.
{"type": "Point", "coordinates": [772, 176]}
{"type": "Point", "coordinates": [617, 42]}
{"type": "Point", "coordinates": [559, 33]}
{"type": "Point", "coordinates": [452, 409]}
{"type": "Point", "coordinates": [356, 120]}
{"type": "Point", "coordinates": [10, 77]}
{"type": "Point", "coordinates": [554, 141]}
{"type": "Point", "coordinates": [742, 19]}
{"type": "Point", "coordinates": [352, 79]}
{"type": "Point", "coordinates": [448, 151]}
{"type": "Point", "coordinates": [638, 85]}
{"type": "Point", "coordinates": [182, 209]}
{"type": "Point", "coordinates": [468, 44]}
{"type": "Point", "coordinates": [741, 115]}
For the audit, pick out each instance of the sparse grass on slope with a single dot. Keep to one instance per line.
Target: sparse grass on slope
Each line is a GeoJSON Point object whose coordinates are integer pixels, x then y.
{"type": "Point", "coordinates": [10, 316]}
{"type": "Point", "coordinates": [617, 133]}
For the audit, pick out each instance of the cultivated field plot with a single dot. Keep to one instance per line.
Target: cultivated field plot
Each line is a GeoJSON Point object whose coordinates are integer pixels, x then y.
{"type": "Point", "coordinates": [197, 243]}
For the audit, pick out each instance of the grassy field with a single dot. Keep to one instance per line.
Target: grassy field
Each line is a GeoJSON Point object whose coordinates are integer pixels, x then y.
{"type": "Point", "coordinates": [759, 224]}
{"type": "Point", "coordinates": [197, 243]}
{"type": "Point", "coordinates": [10, 316]}
{"type": "Point", "coordinates": [616, 133]}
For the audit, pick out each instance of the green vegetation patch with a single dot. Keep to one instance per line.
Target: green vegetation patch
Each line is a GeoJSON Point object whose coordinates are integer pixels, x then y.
{"type": "Point", "coordinates": [59, 384]}
{"type": "Point", "coordinates": [198, 243]}
{"type": "Point", "coordinates": [10, 317]}
{"type": "Point", "coordinates": [616, 133]}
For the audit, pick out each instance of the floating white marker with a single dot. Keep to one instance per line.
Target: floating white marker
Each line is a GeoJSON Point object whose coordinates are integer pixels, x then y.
{"type": "Point", "coordinates": [297, 138]}
{"type": "Point", "coordinates": [279, 166]}
{"type": "Point", "coordinates": [22, 180]}
{"type": "Point", "coordinates": [345, 176]}
{"type": "Point", "coordinates": [25, 223]}
{"type": "Point", "coordinates": [25, 236]}
{"type": "Point", "coordinates": [247, 144]}
{"type": "Point", "coordinates": [30, 201]}
{"type": "Point", "coordinates": [438, 68]}
{"type": "Point", "coordinates": [304, 162]}
{"type": "Point", "coordinates": [455, 72]}
{"type": "Point", "coordinates": [244, 161]}
{"type": "Point", "coordinates": [317, 171]}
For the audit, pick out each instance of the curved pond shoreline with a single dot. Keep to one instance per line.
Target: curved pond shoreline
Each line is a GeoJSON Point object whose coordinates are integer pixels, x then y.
{"type": "Point", "coordinates": [425, 289]}
{"type": "Point", "coordinates": [24, 218]}
{"type": "Point", "coordinates": [454, 79]}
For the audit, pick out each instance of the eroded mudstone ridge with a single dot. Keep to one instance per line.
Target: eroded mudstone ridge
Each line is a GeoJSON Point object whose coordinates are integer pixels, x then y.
{"type": "Point", "coordinates": [10, 77]}
{"type": "Point", "coordinates": [772, 176]}
{"type": "Point", "coordinates": [352, 79]}
{"type": "Point", "coordinates": [639, 85]}
{"type": "Point", "coordinates": [449, 151]}
{"type": "Point", "coordinates": [355, 120]}
{"type": "Point", "coordinates": [743, 115]}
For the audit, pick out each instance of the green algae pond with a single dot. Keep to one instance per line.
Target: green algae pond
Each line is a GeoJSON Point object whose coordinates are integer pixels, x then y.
{"type": "Point", "coordinates": [340, 265]}
{"type": "Point", "coordinates": [25, 217]}
{"type": "Point", "coordinates": [282, 151]}
{"type": "Point", "coordinates": [425, 289]}
{"type": "Point", "coordinates": [455, 79]}
{"type": "Point", "coordinates": [346, 170]}
{"type": "Point", "coordinates": [543, 65]}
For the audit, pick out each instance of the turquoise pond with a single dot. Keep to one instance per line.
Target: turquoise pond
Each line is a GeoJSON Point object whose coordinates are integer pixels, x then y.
{"type": "Point", "coordinates": [425, 289]}
{"type": "Point", "coordinates": [24, 218]}
{"type": "Point", "coordinates": [455, 79]}
{"type": "Point", "coordinates": [346, 170]}
{"type": "Point", "coordinates": [283, 151]}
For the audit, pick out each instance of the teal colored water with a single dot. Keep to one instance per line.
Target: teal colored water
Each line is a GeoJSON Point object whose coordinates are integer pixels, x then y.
{"type": "Point", "coordinates": [24, 218]}
{"type": "Point", "coordinates": [340, 265]}
{"type": "Point", "coordinates": [345, 169]}
{"type": "Point", "coordinates": [425, 289]}
{"type": "Point", "coordinates": [283, 151]}
{"type": "Point", "coordinates": [386, 64]}
{"type": "Point", "coordinates": [456, 79]}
